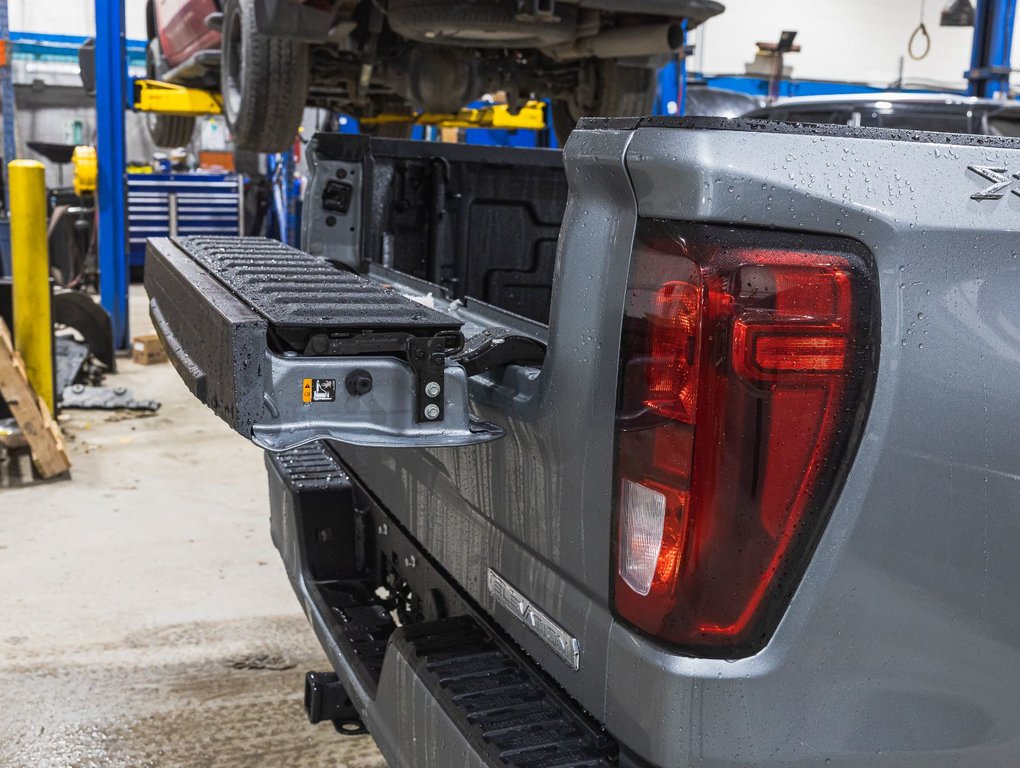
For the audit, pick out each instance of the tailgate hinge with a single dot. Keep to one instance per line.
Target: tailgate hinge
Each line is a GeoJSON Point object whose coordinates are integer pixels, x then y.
{"type": "Point", "coordinates": [427, 357]}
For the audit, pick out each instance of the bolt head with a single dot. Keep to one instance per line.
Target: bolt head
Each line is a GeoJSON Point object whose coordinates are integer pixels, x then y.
{"type": "Point", "coordinates": [358, 382]}
{"type": "Point", "coordinates": [432, 412]}
{"type": "Point", "coordinates": [432, 389]}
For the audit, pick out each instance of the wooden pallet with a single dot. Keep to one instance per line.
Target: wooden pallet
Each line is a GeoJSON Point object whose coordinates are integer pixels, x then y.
{"type": "Point", "coordinates": [33, 416]}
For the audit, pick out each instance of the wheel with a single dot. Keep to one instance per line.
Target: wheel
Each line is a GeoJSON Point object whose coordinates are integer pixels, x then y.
{"type": "Point", "coordinates": [170, 131]}
{"type": "Point", "coordinates": [264, 82]}
{"type": "Point", "coordinates": [619, 91]}
{"type": "Point", "coordinates": [166, 131]}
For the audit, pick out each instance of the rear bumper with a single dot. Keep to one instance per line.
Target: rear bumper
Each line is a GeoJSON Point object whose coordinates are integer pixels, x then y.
{"type": "Point", "coordinates": [443, 689]}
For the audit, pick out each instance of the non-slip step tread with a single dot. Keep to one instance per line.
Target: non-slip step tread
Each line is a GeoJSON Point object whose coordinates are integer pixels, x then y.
{"type": "Point", "coordinates": [294, 289]}
{"type": "Point", "coordinates": [501, 702]}
{"type": "Point", "coordinates": [311, 467]}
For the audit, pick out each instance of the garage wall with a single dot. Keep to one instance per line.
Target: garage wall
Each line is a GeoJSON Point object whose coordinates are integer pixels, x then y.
{"type": "Point", "coordinates": [70, 17]}
{"type": "Point", "coordinates": [841, 39]}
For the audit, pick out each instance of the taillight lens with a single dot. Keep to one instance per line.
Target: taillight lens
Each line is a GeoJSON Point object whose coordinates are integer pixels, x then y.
{"type": "Point", "coordinates": [745, 371]}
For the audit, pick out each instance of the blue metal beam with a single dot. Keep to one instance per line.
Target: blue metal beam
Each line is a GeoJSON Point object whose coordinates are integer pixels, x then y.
{"type": "Point", "coordinates": [10, 150]}
{"type": "Point", "coordinates": [67, 41]}
{"type": "Point", "coordinates": [993, 42]}
{"type": "Point", "coordinates": [111, 102]}
{"type": "Point", "coordinates": [7, 90]}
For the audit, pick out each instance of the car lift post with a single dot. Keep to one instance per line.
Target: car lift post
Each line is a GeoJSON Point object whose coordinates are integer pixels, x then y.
{"type": "Point", "coordinates": [672, 80]}
{"type": "Point", "coordinates": [7, 86]}
{"type": "Point", "coordinates": [10, 148]}
{"type": "Point", "coordinates": [990, 55]}
{"type": "Point", "coordinates": [111, 103]}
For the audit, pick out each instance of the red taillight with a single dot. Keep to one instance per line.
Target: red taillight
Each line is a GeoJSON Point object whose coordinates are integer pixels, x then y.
{"type": "Point", "coordinates": [672, 379]}
{"type": "Point", "coordinates": [744, 364]}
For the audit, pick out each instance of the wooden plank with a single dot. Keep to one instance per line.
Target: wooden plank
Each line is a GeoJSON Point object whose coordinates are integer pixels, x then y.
{"type": "Point", "coordinates": [44, 439]}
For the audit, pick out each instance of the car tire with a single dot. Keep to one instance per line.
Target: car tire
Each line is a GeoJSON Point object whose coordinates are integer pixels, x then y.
{"type": "Point", "coordinates": [264, 82]}
{"type": "Point", "coordinates": [170, 131]}
{"type": "Point", "coordinates": [166, 131]}
{"type": "Point", "coordinates": [622, 91]}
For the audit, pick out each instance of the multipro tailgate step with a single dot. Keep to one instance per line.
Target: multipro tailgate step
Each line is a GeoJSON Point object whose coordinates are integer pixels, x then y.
{"type": "Point", "coordinates": [287, 348]}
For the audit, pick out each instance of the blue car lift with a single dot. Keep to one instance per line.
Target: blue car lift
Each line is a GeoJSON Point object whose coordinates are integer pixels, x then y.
{"type": "Point", "coordinates": [9, 148]}
{"type": "Point", "coordinates": [993, 41]}
{"type": "Point", "coordinates": [111, 103]}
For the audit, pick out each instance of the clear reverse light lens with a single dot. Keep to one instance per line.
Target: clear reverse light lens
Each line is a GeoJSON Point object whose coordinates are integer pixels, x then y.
{"type": "Point", "coordinates": [643, 517]}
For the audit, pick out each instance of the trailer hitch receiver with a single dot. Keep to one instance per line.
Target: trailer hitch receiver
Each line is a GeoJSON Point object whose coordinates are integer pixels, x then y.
{"type": "Point", "coordinates": [326, 699]}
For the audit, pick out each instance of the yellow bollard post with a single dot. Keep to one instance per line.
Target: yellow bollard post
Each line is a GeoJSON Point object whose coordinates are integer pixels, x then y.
{"type": "Point", "coordinates": [30, 270]}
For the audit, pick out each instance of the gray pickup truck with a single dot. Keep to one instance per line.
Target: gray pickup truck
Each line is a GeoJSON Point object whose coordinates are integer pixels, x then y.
{"type": "Point", "coordinates": [691, 446]}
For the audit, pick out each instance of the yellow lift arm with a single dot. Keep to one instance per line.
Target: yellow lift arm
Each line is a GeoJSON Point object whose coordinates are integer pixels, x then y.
{"type": "Point", "coordinates": [165, 98]}
{"type": "Point", "coordinates": [498, 116]}
{"type": "Point", "coordinates": [169, 99]}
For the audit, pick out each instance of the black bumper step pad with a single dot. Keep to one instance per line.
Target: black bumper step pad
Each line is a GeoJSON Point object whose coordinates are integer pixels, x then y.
{"type": "Point", "coordinates": [503, 705]}
{"type": "Point", "coordinates": [293, 289]}
{"type": "Point", "coordinates": [365, 623]}
{"type": "Point", "coordinates": [311, 467]}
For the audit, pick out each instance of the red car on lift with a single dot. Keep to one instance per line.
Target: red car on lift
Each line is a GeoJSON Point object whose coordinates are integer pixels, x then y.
{"type": "Point", "coordinates": [271, 58]}
{"type": "Point", "coordinates": [184, 46]}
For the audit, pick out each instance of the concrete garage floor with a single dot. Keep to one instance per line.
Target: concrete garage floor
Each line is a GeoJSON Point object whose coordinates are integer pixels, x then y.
{"type": "Point", "coordinates": [145, 617]}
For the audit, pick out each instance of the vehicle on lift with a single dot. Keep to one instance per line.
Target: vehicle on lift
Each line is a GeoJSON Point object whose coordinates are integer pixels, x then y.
{"type": "Point", "coordinates": [703, 100]}
{"type": "Point", "coordinates": [948, 113]}
{"type": "Point", "coordinates": [271, 58]}
{"type": "Point", "coordinates": [690, 453]}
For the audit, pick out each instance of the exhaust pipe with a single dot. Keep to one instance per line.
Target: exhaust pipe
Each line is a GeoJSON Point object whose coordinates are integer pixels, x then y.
{"type": "Point", "coordinates": [646, 40]}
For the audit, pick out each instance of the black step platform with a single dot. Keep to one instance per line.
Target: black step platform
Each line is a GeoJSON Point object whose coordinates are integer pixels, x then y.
{"type": "Point", "coordinates": [502, 704]}
{"type": "Point", "coordinates": [293, 289]}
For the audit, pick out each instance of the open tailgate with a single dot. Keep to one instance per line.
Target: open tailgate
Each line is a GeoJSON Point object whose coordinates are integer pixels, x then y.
{"type": "Point", "coordinates": [288, 348]}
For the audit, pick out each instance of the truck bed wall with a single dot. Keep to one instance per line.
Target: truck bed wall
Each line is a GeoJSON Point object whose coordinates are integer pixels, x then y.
{"type": "Point", "coordinates": [481, 222]}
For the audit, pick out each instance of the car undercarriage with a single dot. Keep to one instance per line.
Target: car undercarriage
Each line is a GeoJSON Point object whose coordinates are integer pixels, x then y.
{"type": "Point", "coordinates": [366, 58]}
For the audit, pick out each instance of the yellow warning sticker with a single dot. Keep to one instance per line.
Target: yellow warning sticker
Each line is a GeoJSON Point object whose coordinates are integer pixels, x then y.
{"type": "Point", "coordinates": [306, 391]}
